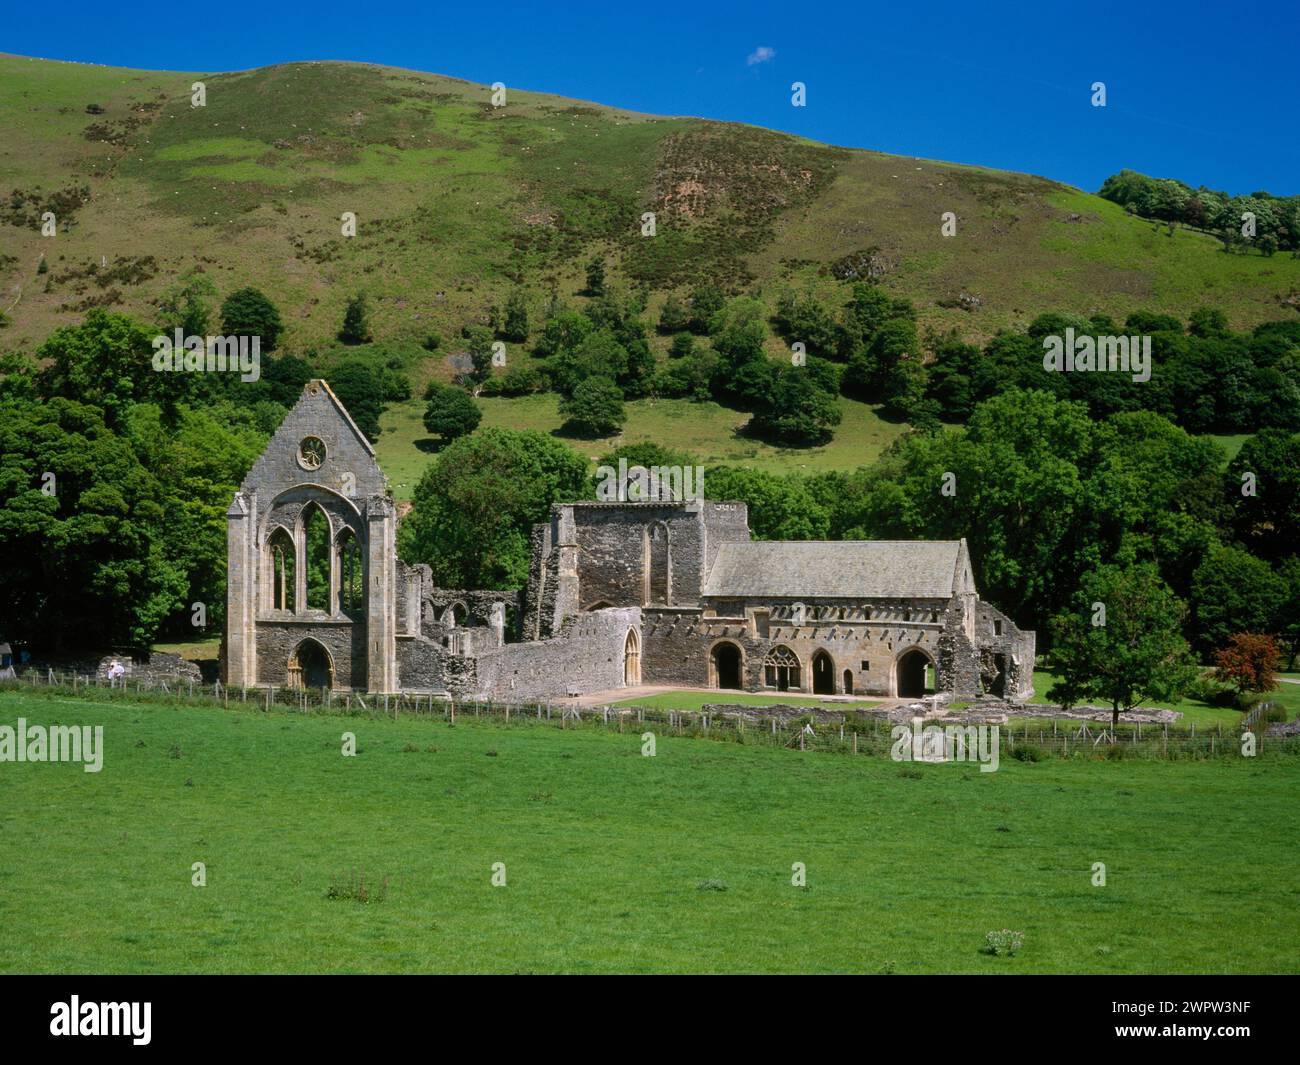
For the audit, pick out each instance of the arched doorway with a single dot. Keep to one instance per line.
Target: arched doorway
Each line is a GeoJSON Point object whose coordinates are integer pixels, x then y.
{"type": "Point", "coordinates": [310, 666]}
{"type": "Point", "coordinates": [909, 673]}
{"type": "Point", "coordinates": [725, 659]}
{"type": "Point", "coordinates": [632, 659]}
{"type": "Point", "coordinates": [781, 669]}
{"type": "Point", "coordinates": [823, 671]}
{"type": "Point", "coordinates": [848, 682]}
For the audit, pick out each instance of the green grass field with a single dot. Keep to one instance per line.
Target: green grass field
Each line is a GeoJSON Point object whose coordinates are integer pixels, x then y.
{"type": "Point", "coordinates": [619, 862]}
{"type": "Point", "coordinates": [705, 430]}
{"type": "Point", "coordinates": [694, 700]}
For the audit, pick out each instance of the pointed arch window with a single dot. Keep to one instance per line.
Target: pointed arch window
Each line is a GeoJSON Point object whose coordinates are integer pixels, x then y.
{"type": "Point", "coordinates": [316, 557]}
{"type": "Point", "coordinates": [351, 580]}
{"type": "Point", "coordinates": [781, 669]}
{"type": "Point", "coordinates": [283, 570]}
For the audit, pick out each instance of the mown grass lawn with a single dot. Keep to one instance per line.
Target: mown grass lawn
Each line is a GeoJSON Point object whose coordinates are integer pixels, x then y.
{"type": "Point", "coordinates": [606, 852]}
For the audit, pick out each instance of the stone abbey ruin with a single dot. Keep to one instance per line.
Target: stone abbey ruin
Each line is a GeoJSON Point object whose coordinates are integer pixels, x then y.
{"type": "Point", "coordinates": [619, 594]}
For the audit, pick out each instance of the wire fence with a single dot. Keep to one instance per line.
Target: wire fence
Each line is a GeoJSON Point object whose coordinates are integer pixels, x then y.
{"type": "Point", "coordinates": [1027, 740]}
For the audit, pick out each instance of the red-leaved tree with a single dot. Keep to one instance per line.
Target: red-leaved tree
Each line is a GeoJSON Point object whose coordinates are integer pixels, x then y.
{"type": "Point", "coordinates": [1248, 662]}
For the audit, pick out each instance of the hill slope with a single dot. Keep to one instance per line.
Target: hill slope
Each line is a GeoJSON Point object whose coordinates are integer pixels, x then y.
{"type": "Point", "coordinates": [457, 201]}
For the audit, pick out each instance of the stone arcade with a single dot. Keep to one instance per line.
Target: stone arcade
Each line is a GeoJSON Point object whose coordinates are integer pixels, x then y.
{"type": "Point", "coordinates": [619, 594]}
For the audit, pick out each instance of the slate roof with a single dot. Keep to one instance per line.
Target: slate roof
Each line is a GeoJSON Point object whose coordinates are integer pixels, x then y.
{"type": "Point", "coordinates": [849, 569]}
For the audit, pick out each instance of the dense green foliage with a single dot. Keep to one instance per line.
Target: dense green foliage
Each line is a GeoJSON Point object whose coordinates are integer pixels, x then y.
{"type": "Point", "coordinates": [450, 413]}
{"type": "Point", "coordinates": [475, 507]}
{"type": "Point", "coordinates": [115, 487]}
{"type": "Point", "coordinates": [1121, 642]}
{"type": "Point", "coordinates": [595, 408]}
{"type": "Point", "coordinates": [116, 478]}
{"type": "Point", "coordinates": [1277, 218]}
{"type": "Point", "coordinates": [248, 312]}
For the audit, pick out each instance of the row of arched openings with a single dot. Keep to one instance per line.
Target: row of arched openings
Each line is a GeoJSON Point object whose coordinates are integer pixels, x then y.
{"type": "Point", "coordinates": [333, 578]}
{"type": "Point", "coordinates": [782, 671]}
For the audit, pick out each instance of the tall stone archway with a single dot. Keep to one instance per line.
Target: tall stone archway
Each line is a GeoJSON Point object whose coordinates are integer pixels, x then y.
{"type": "Point", "coordinates": [823, 674]}
{"type": "Point", "coordinates": [726, 666]}
{"type": "Point", "coordinates": [658, 564]}
{"type": "Point", "coordinates": [909, 673]}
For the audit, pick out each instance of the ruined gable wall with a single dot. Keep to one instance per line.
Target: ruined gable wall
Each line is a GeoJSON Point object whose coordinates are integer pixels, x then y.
{"type": "Point", "coordinates": [315, 415]}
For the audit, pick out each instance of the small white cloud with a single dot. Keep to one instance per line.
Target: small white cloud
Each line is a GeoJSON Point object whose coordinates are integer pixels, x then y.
{"type": "Point", "coordinates": [761, 54]}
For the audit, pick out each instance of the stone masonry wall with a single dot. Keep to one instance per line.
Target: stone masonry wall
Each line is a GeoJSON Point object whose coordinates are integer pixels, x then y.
{"type": "Point", "coordinates": [346, 644]}
{"type": "Point", "coordinates": [587, 655]}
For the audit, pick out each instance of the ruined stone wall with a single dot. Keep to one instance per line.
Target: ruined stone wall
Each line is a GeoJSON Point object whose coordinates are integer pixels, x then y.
{"type": "Point", "coordinates": [587, 655]}
{"type": "Point", "coordinates": [424, 665]}
{"type": "Point", "coordinates": [611, 541]}
{"type": "Point", "coordinates": [477, 604]}
{"type": "Point", "coordinates": [538, 601]}
{"type": "Point", "coordinates": [345, 642]}
{"type": "Point", "coordinates": [959, 667]}
{"type": "Point", "coordinates": [1015, 645]}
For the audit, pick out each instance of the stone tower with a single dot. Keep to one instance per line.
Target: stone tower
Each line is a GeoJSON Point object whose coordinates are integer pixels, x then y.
{"type": "Point", "coordinates": [311, 538]}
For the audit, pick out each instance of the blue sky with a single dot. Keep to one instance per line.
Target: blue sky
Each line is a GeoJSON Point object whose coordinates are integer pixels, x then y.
{"type": "Point", "coordinates": [1203, 92]}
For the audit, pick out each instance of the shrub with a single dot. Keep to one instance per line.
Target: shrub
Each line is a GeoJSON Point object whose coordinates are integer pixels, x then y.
{"type": "Point", "coordinates": [248, 312]}
{"type": "Point", "coordinates": [1206, 689]}
{"type": "Point", "coordinates": [595, 409]}
{"type": "Point", "coordinates": [683, 344]}
{"type": "Point", "coordinates": [517, 381]}
{"type": "Point", "coordinates": [1028, 752]}
{"type": "Point", "coordinates": [450, 413]}
{"type": "Point", "coordinates": [356, 321]}
{"type": "Point", "coordinates": [1003, 943]}
{"type": "Point", "coordinates": [515, 326]}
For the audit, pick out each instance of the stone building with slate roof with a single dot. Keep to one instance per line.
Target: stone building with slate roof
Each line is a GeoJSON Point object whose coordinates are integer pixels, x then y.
{"type": "Point", "coordinates": [719, 610]}
{"type": "Point", "coordinates": [619, 594]}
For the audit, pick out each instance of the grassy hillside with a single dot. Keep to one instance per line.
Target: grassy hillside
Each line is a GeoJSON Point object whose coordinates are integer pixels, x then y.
{"type": "Point", "coordinates": [457, 201]}
{"type": "Point", "coordinates": [618, 862]}
{"type": "Point", "coordinates": [708, 431]}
